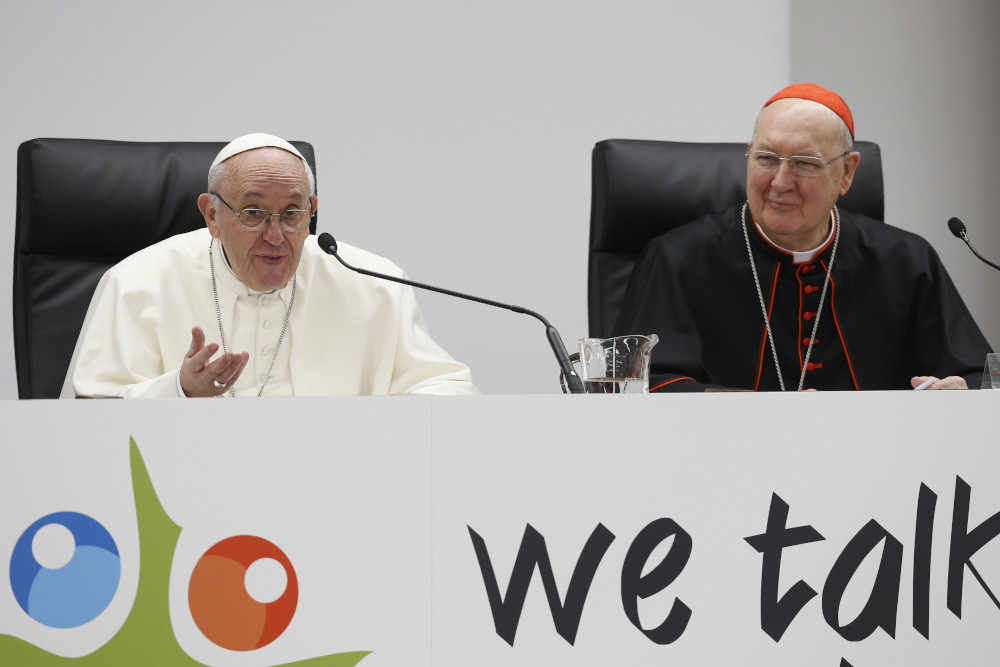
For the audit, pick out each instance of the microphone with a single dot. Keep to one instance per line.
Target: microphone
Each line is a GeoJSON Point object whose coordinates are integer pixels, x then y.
{"type": "Point", "coordinates": [329, 245]}
{"type": "Point", "coordinates": [957, 228]}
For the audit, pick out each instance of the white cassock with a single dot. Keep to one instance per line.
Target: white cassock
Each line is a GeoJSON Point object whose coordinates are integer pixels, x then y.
{"type": "Point", "coordinates": [348, 334]}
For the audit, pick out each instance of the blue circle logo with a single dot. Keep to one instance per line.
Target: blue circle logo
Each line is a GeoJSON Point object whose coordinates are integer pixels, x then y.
{"type": "Point", "coordinates": [72, 593]}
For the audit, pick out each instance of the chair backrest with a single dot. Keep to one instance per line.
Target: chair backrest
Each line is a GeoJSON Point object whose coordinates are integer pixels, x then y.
{"type": "Point", "coordinates": [82, 206]}
{"type": "Point", "coordinates": [641, 189]}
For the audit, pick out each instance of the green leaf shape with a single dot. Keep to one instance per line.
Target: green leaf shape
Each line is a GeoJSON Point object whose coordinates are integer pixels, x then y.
{"type": "Point", "coordinates": [147, 636]}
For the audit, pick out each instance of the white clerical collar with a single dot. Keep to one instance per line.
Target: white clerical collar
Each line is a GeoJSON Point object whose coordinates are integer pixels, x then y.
{"type": "Point", "coordinates": [801, 256]}
{"type": "Point", "coordinates": [225, 261]}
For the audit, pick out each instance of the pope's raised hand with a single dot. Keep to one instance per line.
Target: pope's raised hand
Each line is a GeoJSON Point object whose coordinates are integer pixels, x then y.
{"type": "Point", "coordinates": [201, 377]}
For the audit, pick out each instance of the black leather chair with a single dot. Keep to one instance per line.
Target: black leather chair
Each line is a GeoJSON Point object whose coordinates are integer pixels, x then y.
{"type": "Point", "coordinates": [641, 189]}
{"type": "Point", "coordinates": [82, 206]}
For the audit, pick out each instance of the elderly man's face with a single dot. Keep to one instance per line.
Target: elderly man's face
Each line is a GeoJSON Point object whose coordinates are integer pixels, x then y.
{"type": "Point", "coordinates": [794, 211]}
{"type": "Point", "coordinates": [271, 179]}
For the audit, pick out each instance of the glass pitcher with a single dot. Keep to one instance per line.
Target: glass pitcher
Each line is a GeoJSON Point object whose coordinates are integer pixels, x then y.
{"type": "Point", "coordinates": [618, 365]}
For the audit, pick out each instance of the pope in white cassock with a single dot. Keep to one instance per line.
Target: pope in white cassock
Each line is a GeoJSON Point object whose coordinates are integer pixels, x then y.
{"type": "Point", "coordinates": [288, 319]}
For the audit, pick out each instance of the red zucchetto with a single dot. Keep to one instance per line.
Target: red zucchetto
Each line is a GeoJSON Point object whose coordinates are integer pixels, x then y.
{"type": "Point", "coordinates": [828, 98]}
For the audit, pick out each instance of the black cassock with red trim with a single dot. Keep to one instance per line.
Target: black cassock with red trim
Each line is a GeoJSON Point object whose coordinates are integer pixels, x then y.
{"type": "Point", "coordinates": [890, 312]}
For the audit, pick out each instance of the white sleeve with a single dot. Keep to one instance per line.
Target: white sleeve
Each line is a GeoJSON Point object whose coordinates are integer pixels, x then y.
{"type": "Point", "coordinates": [117, 354]}
{"type": "Point", "coordinates": [421, 365]}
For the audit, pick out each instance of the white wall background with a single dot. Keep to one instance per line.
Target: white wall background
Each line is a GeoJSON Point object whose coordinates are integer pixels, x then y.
{"type": "Point", "coordinates": [922, 80]}
{"type": "Point", "coordinates": [455, 137]}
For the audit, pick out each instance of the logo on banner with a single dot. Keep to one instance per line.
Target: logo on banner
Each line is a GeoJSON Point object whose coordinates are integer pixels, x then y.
{"type": "Point", "coordinates": [65, 592]}
{"type": "Point", "coordinates": [65, 570]}
{"type": "Point", "coordinates": [222, 607]}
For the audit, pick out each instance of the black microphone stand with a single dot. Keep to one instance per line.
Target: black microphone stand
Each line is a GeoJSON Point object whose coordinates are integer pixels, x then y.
{"type": "Point", "coordinates": [329, 245]}
{"type": "Point", "coordinates": [957, 228]}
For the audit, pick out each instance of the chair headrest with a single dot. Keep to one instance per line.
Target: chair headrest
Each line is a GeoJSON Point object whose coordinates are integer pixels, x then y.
{"type": "Point", "coordinates": [642, 189]}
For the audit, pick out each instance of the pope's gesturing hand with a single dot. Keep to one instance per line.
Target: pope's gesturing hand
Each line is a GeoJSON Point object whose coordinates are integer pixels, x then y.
{"type": "Point", "coordinates": [201, 377]}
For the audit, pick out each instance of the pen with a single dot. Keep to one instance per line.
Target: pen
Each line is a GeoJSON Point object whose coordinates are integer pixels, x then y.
{"type": "Point", "coordinates": [924, 385]}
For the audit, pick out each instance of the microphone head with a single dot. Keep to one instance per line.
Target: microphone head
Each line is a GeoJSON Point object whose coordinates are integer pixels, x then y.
{"type": "Point", "coordinates": [957, 227]}
{"type": "Point", "coordinates": [327, 243]}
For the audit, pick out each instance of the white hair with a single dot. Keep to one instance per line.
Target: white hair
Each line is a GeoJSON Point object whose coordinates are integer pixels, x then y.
{"type": "Point", "coordinates": [846, 139]}
{"type": "Point", "coordinates": [218, 173]}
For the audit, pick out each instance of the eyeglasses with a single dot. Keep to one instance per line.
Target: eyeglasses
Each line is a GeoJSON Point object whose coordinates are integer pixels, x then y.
{"type": "Point", "coordinates": [801, 165]}
{"type": "Point", "coordinates": [255, 219]}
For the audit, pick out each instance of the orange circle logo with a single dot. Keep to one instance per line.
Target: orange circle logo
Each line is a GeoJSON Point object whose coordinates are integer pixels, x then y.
{"type": "Point", "coordinates": [224, 609]}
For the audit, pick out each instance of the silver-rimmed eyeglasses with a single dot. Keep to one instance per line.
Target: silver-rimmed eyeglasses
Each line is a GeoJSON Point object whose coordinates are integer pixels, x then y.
{"type": "Point", "coordinates": [255, 219]}
{"type": "Point", "coordinates": [801, 165]}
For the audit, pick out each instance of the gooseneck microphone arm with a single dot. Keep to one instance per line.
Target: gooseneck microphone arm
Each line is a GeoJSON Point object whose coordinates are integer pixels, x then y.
{"type": "Point", "coordinates": [957, 228]}
{"type": "Point", "coordinates": [329, 245]}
